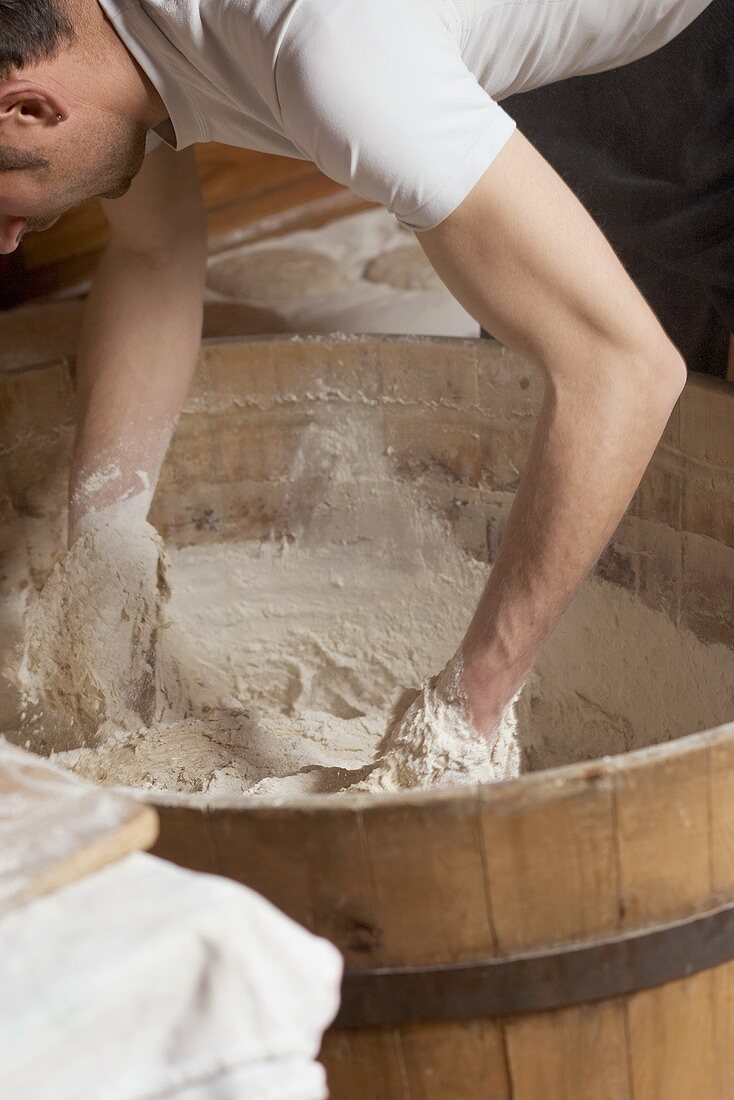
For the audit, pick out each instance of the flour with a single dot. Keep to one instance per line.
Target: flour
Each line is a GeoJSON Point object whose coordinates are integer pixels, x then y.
{"type": "Point", "coordinates": [90, 652]}
{"type": "Point", "coordinates": [289, 657]}
{"type": "Point", "coordinates": [280, 668]}
{"type": "Point", "coordinates": [430, 740]}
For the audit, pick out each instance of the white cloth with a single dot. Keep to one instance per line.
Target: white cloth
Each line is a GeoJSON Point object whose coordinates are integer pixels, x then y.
{"type": "Point", "coordinates": [396, 99]}
{"type": "Point", "coordinates": [147, 981]}
{"type": "Point", "coordinates": [292, 1079]}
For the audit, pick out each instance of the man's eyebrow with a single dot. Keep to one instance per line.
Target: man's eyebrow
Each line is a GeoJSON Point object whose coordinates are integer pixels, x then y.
{"type": "Point", "coordinates": [16, 160]}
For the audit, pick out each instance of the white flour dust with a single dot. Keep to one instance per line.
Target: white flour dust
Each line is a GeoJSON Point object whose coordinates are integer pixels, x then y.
{"type": "Point", "coordinates": [89, 652]}
{"type": "Point", "coordinates": [272, 668]}
{"type": "Point", "coordinates": [429, 740]}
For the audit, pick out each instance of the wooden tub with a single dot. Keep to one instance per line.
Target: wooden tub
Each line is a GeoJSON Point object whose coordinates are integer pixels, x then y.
{"type": "Point", "coordinates": [563, 936]}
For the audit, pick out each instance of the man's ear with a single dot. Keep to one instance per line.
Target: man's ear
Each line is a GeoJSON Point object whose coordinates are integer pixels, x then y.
{"type": "Point", "coordinates": [30, 104]}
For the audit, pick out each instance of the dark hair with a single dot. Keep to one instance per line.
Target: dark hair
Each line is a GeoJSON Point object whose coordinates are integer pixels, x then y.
{"type": "Point", "coordinates": [30, 31]}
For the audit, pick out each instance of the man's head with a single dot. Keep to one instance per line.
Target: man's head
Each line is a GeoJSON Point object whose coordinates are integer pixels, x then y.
{"type": "Point", "coordinates": [74, 112]}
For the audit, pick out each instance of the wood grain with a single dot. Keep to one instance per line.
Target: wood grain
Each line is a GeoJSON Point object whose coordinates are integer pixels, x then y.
{"type": "Point", "coordinates": [552, 878]}
{"type": "Point", "coordinates": [433, 908]}
{"type": "Point", "coordinates": [663, 835]}
{"type": "Point", "coordinates": [274, 851]}
{"type": "Point", "coordinates": [575, 1053]}
{"type": "Point", "coordinates": [55, 829]}
{"type": "Point", "coordinates": [663, 813]}
{"type": "Point", "coordinates": [456, 1061]}
{"type": "Point", "coordinates": [551, 862]}
{"type": "Point", "coordinates": [184, 841]}
{"type": "Point", "coordinates": [365, 1065]}
{"type": "Point", "coordinates": [672, 1040]}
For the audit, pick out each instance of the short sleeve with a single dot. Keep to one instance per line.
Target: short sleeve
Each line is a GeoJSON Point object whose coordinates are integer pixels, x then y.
{"type": "Point", "coordinates": [378, 96]}
{"type": "Point", "coordinates": [152, 141]}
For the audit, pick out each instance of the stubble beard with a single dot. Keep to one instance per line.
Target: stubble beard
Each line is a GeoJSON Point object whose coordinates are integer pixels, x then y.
{"type": "Point", "coordinates": [114, 164]}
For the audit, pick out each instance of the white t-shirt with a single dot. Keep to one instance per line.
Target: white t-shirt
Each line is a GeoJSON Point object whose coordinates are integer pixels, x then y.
{"type": "Point", "coordinates": [396, 99]}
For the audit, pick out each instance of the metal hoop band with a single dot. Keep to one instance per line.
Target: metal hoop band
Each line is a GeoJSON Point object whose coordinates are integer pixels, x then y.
{"type": "Point", "coordinates": [539, 982]}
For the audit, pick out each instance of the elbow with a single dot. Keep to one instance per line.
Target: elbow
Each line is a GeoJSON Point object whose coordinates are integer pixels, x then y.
{"type": "Point", "coordinates": [669, 373]}
{"type": "Point", "coordinates": [649, 381]}
{"type": "Point", "coordinates": [662, 378]}
{"type": "Point", "coordinates": [634, 383]}
{"type": "Point", "coordinates": [649, 384]}
{"type": "Point", "coordinates": [651, 373]}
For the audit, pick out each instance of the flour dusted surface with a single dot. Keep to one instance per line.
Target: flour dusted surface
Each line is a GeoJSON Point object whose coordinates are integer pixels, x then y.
{"type": "Point", "coordinates": [273, 668]}
{"type": "Point", "coordinates": [293, 656]}
{"type": "Point", "coordinates": [90, 635]}
{"type": "Point", "coordinates": [289, 657]}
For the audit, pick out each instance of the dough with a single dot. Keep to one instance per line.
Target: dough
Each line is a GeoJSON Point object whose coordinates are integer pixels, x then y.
{"type": "Point", "coordinates": [274, 274]}
{"type": "Point", "coordinates": [90, 656]}
{"type": "Point", "coordinates": [405, 268]}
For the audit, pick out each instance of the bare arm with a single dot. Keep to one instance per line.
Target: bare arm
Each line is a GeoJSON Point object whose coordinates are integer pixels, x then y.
{"type": "Point", "coordinates": [140, 339]}
{"type": "Point", "coordinates": [527, 261]}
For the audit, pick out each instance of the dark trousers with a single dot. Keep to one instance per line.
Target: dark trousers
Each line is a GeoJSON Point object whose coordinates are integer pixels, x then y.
{"type": "Point", "coordinates": [649, 151]}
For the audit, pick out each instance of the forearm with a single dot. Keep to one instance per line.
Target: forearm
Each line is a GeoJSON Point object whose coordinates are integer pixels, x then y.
{"type": "Point", "coordinates": [591, 445]}
{"type": "Point", "coordinates": [137, 354]}
{"type": "Point", "coordinates": [528, 262]}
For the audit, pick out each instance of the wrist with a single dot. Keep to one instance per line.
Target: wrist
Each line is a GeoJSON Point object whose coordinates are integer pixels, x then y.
{"type": "Point", "coordinates": [490, 684]}
{"type": "Point", "coordinates": [103, 496]}
{"type": "Point", "coordinates": [114, 473]}
{"type": "Point", "coordinates": [131, 511]}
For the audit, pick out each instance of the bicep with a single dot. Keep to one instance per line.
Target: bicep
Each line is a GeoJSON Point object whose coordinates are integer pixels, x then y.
{"type": "Point", "coordinates": [162, 211]}
{"type": "Point", "coordinates": [526, 259]}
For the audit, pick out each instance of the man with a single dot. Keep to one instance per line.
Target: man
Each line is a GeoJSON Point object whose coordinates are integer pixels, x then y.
{"type": "Point", "coordinates": [397, 99]}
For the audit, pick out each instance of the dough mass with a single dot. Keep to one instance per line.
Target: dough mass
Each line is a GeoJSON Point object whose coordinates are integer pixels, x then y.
{"type": "Point", "coordinates": [276, 273]}
{"type": "Point", "coordinates": [405, 267]}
